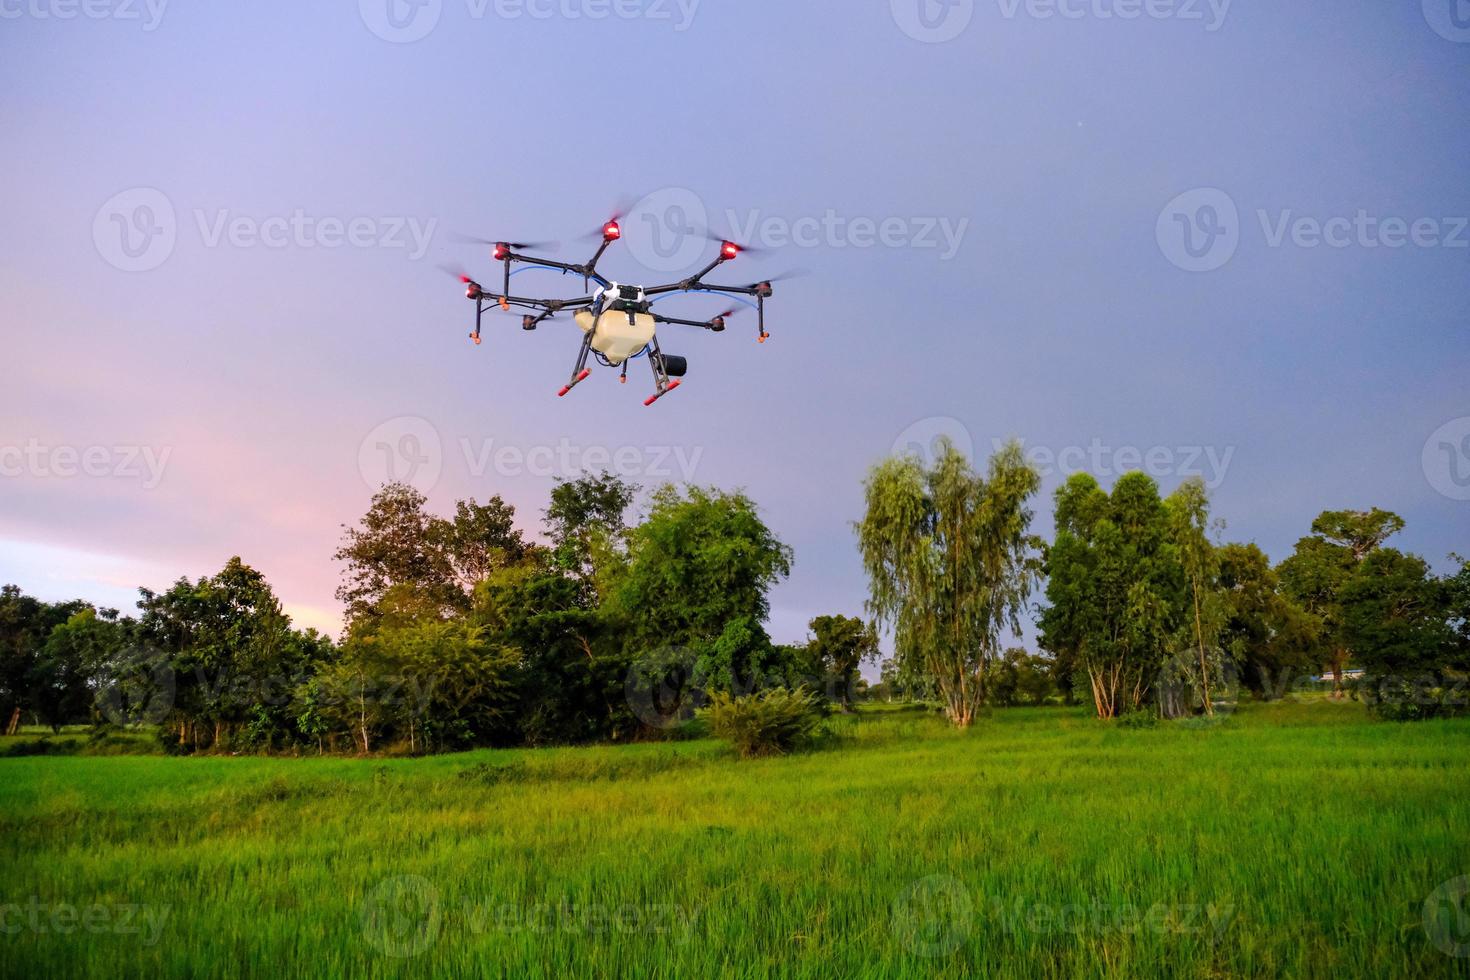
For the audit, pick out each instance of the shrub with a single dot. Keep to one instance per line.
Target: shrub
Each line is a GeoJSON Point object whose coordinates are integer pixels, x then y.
{"type": "Point", "coordinates": [1139, 718]}
{"type": "Point", "coordinates": [1399, 699]}
{"type": "Point", "coordinates": [770, 723]}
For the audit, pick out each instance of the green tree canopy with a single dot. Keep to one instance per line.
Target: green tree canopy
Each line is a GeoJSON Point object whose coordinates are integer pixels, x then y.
{"type": "Point", "coordinates": [950, 562]}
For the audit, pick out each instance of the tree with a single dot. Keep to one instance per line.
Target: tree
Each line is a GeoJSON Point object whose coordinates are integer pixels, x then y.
{"type": "Point", "coordinates": [586, 527]}
{"type": "Point", "coordinates": [1321, 565]}
{"type": "Point", "coordinates": [74, 654]}
{"type": "Point", "coordinates": [950, 562]}
{"type": "Point", "coordinates": [570, 672]}
{"type": "Point", "coordinates": [838, 646]}
{"type": "Point", "coordinates": [1394, 615]}
{"type": "Point", "coordinates": [229, 647]}
{"type": "Point", "coordinates": [702, 559]}
{"type": "Point", "coordinates": [1264, 632]}
{"type": "Point", "coordinates": [458, 682]}
{"type": "Point", "coordinates": [1360, 532]}
{"type": "Point", "coordinates": [25, 624]}
{"type": "Point", "coordinates": [479, 539]}
{"type": "Point", "coordinates": [1189, 518]}
{"type": "Point", "coordinates": [1116, 592]}
{"type": "Point", "coordinates": [1018, 677]}
{"type": "Point", "coordinates": [396, 543]}
{"type": "Point", "coordinates": [1457, 612]}
{"type": "Point", "coordinates": [741, 660]}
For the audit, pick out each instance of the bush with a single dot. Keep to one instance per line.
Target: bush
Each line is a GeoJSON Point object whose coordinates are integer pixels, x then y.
{"type": "Point", "coordinates": [1398, 699]}
{"type": "Point", "coordinates": [771, 723]}
{"type": "Point", "coordinates": [1139, 718]}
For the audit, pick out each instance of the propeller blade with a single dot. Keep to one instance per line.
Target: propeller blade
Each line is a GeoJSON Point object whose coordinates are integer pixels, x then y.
{"type": "Point", "coordinates": [781, 276]}
{"type": "Point", "coordinates": [723, 239]}
{"type": "Point", "coordinates": [519, 246]}
{"type": "Point", "coordinates": [620, 211]}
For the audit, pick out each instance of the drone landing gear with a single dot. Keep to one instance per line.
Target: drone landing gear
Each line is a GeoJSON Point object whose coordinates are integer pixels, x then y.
{"type": "Point", "coordinates": [661, 372]}
{"type": "Point", "coordinates": [581, 370]}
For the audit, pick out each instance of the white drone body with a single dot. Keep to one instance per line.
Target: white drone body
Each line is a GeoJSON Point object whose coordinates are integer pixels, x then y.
{"type": "Point", "coordinates": [617, 333]}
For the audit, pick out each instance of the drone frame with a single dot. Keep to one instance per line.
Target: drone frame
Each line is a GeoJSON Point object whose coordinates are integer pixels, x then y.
{"type": "Point", "coordinates": [544, 309]}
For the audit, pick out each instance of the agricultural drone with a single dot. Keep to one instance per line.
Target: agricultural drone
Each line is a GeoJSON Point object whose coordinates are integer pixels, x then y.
{"type": "Point", "coordinates": [617, 320]}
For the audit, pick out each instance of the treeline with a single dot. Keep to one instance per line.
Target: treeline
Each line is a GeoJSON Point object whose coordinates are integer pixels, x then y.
{"type": "Point", "coordinates": [1144, 610]}
{"type": "Point", "coordinates": [459, 632]}
{"type": "Point", "coordinates": [462, 632]}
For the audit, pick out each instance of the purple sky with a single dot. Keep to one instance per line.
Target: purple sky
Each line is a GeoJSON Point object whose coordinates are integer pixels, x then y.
{"type": "Point", "coordinates": [1221, 239]}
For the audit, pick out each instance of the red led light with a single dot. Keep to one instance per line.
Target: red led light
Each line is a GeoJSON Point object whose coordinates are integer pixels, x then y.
{"type": "Point", "coordinates": [501, 251]}
{"type": "Point", "coordinates": [729, 250]}
{"type": "Point", "coordinates": [611, 231]}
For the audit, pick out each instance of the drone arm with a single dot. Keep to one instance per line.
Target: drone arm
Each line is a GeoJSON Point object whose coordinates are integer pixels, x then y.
{"type": "Point", "coordinates": [585, 271]}
{"type": "Point", "coordinates": [695, 286]}
{"type": "Point", "coordinates": [550, 305]}
{"type": "Point", "coordinates": [660, 318]}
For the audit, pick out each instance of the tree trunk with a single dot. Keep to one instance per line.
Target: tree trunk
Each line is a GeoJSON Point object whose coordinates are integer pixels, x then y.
{"type": "Point", "coordinates": [1204, 672]}
{"type": "Point", "coordinates": [10, 729]}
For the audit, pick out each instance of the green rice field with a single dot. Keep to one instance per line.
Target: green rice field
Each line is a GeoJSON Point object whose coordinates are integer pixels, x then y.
{"type": "Point", "coordinates": [1293, 839]}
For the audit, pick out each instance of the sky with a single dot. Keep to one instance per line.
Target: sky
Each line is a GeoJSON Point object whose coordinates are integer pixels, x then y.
{"type": "Point", "coordinates": [1216, 239]}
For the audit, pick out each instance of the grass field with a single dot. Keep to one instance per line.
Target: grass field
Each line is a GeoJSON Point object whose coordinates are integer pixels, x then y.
{"type": "Point", "coordinates": [1290, 839]}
